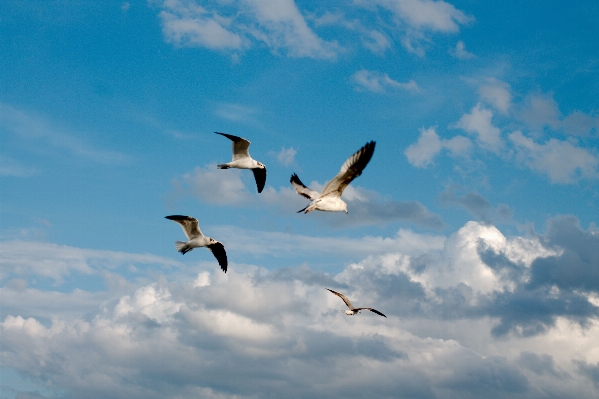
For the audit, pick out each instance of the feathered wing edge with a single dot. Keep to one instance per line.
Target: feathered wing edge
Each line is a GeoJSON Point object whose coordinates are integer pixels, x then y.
{"type": "Point", "coordinates": [218, 250]}
{"type": "Point", "coordinates": [240, 146]}
{"type": "Point", "coordinates": [345, 299]}
{"type": "Point", "coordinates": [350, 169]}
{"type": "Point", "coordinates": [190, 225]}
{"type": "Point", "coordinates": [260, 177]}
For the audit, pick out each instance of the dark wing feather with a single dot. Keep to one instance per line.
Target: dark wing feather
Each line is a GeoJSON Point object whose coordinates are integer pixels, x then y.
{"type": "Point", "coordinates": [347, 302]}
{"type": "Point", "coordinates": [260, 176]}
{"type": "Point", "coordinates": [240, 146]}
{"type": "Point", "coordinates": [351, 169]}
{"type": "Point", "coordinates": [301, 189]}
{"type": "Point", "coordinates": [375, 311]}
{"type": "Point", "coordinates": [190, 225]}
{"type": "Point", "coordinates": [218, 250]}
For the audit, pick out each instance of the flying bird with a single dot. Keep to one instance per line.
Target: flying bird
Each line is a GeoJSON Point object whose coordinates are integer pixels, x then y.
{"type": "Point", "coordinates": [352, 311]}
{"type": "Point", "coordinates": [330, 198]}
{"type": "Point", "coordinates": [242, 160]}
{"type": "Point", "coordinates": [191, 228]}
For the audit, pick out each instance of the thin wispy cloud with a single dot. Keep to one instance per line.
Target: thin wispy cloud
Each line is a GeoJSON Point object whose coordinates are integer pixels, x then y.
{"type": "Point", "coordinates": [378, 82]}
{"type": "Point", "coordinates": [42, 136]}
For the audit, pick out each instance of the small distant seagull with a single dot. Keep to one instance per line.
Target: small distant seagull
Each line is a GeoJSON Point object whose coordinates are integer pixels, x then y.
{"type": "Point", "coordinates": [242, 160]}
{"type": "Point", "coordinates": [191, 228]}
{"type": "Point", "coordinates": [352, 311]}
{"type": "Point", "coordinates": [330, 198]}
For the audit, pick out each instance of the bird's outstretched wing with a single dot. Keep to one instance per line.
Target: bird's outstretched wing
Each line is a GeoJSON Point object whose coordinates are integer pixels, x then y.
{"type": "Point", "coordinates": [347, 302]}
{"type": "Point", "coordinates": [351, 169]}
{"type": "Point", "coordinates": [301, 189]}
{"type": "Point", "coordinates": [190, 225]}
{"type": "Point", "coordinates": [218, 250]}
{"type": "Point", "coordinates": [260, 177]}
{"type": "Point", "coordinates": [240, 146]}
{"type": "Point", "coordinates": [372, 310]}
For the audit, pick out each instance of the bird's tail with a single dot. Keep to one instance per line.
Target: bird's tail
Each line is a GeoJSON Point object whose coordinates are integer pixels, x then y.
{"type": "Point", "coordinates": [182, 247]}
{"type": "Point", "coordinates": [301, 210]}
{"type": "Point", "coordinates": [222, 166]}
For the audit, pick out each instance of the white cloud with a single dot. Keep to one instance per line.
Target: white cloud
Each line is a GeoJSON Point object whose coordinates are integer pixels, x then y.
{"type": "Point", "coordinates": [429, 145]}
{"type": "Point", "coordinates": [237, 26]}
{"type": "Point", "coordinates": [286, 156]}
{"type": "Point", "coordinates": [376, 42]}
{"type": "Point", "coordinates": [185, 23]}
{"type": "Point", "coordinates": [541, 110]}
{"type": "Point", "coordinates": [478, 122]}
{"type": "Point", "coordinates": [237, 112]}
{"type": "Point", "coordinates": [496, 93]}
{"type": "Point", "coordinates": [379, 83]}
{"type": "Point", "coordinates": [442, 303]}
{"type": "Point", "coordinates": [223, 187]}
{"type": "Point", "coordinates": [283, 26]}
{"type": "Point", "coordinates": [437, 16]}
{"type": "Point", "coordinates": [460, 51]}
{"type": "Point", "coordinates": [167, 339]}
{"type": "Point", "coordinates": [47, 260]}
{"type": "Point", "coordinates": [561, 161]}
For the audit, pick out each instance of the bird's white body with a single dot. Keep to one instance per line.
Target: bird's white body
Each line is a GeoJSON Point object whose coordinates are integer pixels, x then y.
{"type": "Point", "coordinates": [241, 163]}
{"type": "Point", "coordinates": [327, 204]}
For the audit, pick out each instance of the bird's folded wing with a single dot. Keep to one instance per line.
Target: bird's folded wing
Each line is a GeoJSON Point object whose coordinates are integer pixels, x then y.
{"type": "Point", "coordinates": [240, 146]}
{"type": "Point", "coordinates": [351, 169]}
{"type": "Point", "coordinates": [190, 225]}
{"type": "Point", "coordinates": [218, 250]}
{"type": "Point", "coordinates": [301, 189]}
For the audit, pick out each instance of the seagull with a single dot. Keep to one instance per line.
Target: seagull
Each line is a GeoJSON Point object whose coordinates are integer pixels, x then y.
{"type": "Point", "coordinates": [353, 311]}
{"type": "Point", "coordinates": [191, 228]}
{"type": "Point", "coordinates": [330, 198]}
{"type": "Point", "coordinates": [242, 160]}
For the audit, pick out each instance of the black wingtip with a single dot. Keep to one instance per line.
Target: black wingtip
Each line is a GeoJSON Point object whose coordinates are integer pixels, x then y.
{"type": "Point", "coordinates": [177, 217]}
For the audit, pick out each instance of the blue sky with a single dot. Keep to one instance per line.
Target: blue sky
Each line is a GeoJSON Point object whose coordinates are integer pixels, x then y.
{"type": "Point", "coordinates": [474, 227]}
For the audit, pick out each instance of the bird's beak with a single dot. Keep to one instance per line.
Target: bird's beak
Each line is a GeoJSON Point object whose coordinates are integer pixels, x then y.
{"type": "Point", "coordinates": [346, 212]}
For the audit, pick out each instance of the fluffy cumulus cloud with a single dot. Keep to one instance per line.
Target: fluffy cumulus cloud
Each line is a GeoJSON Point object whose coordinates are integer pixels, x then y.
{"type": "Point", "coordinates": [562, 161]}
{"type": "Point", "coordinates": [478, 122]}
{"type": "Point", "coordinates": [422, 153]}
{"type": "Point", "coordinates": [481, 314]}
{"type": "Point", "coordinates": [380, 82]}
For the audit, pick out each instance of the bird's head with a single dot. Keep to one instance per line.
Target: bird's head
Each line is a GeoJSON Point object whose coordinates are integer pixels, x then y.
{"type": "Point", "coordinates": [261, 165]}
{"type": "Point", "coordinates": [349, 312]}
{"type": "Point", "coordinates": [212, 241]}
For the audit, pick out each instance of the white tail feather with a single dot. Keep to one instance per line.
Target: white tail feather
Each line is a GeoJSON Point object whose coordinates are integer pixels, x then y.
{"type": "Point", "coordinates": [180, 246]}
